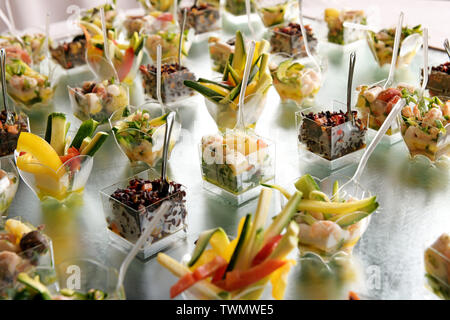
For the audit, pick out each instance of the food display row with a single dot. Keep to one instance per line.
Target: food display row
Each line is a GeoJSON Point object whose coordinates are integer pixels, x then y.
{"type": "Point", "coordinates": [319, 218]}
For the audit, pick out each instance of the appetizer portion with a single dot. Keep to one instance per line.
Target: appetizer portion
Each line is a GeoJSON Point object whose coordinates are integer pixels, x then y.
{"type": "Point", "coordinates": [32, 44]}
{"type": "Point", "coordinates": [224, 269]}
{"type": "Point", "coordinates": [22, 248]}
{"type": "Point", "coordinates": [93, 15]}
{"type": "Point", "coordinates": [382, 45]}
{"type": "Point", "coordinates": [98, 100]}
{"type": "Point", "coordinates": [439, 80]}
{"type": "Point", "coordinates": [375, 103]}
{"type": "Point", "coordinates": [129, 205]}
{"type": "Point", "coordinates": [237, 7]}
{"type": "Point", "coordinates": [162, 29]}
{"type": "Point", "coordinates": [70, 54]}
{"type": "Point", "coordinates": [9, 134]}
{"type": "Point", "coordinates": [425, 126]}
{"type": "Point", "coordinates": [331, 135]}
{"type": "Point", "coordinates": [222, 97]}
{"type": "Point", "coordinates": [203, 17]}
{"type": "Point", "coordinates": [58, 165]}
{"type": "Point", "coordinates": [141, 136]}
{"type": "Point", "coordinates": [31, 288]}
{"type": "Point", "coordinates": [289, 39]}
{"type": "Point", "coordinates": [173, 77]}
{"type": "Point", "coordinates": [27, 87]}
{"type": "Point", "coordinates": [237, 161]}
{"type": "Point", "coordinates": [158, 5]}
{"type": "Point", "coordinates": [220, 52]}
{"type": "Point", "coordinates": [273, 12]}
{"type": "Point", "coordinates": [9, 182]}
{"type": "Point", "coordinates": [330, 223]}
{"type": "Point", "coordinates": [335, 21]}
{"type": "Point", "coordinates": [125, 56]}
{"type": "Point", "coordinates": [437, 266]}
{"type": "Point", "coordinates": [295, 81]}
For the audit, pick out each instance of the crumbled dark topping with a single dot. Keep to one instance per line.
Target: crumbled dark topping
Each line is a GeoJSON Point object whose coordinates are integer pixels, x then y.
{"type": "Point", "coordinates": [294, 29]}
{"type": "Point", "coordinates": [142, 193]}
{"type": "Point", "coordinates": [165, 68]}
{"type": "Point", "coordinates": [331, 119]}
{"type": "Point", "coordinates": [445, 68]}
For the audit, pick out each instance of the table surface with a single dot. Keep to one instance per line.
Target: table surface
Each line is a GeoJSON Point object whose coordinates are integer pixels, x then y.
{"type": "Point", "coordinates": [388, 259]}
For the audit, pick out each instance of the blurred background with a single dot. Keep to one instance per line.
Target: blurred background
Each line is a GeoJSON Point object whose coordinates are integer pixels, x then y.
{"type": "Point", "coordinates": [430, 13]}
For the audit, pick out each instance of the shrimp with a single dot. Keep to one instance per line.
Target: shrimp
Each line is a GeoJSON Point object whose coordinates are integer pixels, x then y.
{"type": "Point", "coordinates": [407, 112]}
{"type": "Point", "coordinates": [431, 116]}
{"type": "Point", "coordinates": [9, 261]}
{"type": "Point", "coordinates": [446, 109]}
{"type": "Point", "coordinates": [324, 235]}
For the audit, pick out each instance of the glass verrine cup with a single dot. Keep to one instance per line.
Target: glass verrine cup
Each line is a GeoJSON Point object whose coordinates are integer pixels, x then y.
{"type": "Point", "coordinates": [202, 17]}
{"type": "Point", "coordinates": [234, 164]}
{"type": "Point", "coordinates": [427, 135]}
{"type": "Point", "coordinates": [92, 275]}
{"type": "Point", "coordinates": [275, 12]}
{"type": "Point", "coordinates": [126, 221]}
{"type": "Point", "coordinates": [439, 80]}
{"type": "Point", "coordinates": [330, 138]}
{"type": "Point", "coordinates": [339, 34]}
{"type": "Point", "coordinates": [172, 82]}
{"type": "Point", "coordinates": [437, 267]}
{"type": "Point", "coordinates": [327, 234]}
{"type": "Point", "coordinates": [9, 134]}
{"type": "Point", "coordinates": [288, 39]}
{"type": "Point", "coordinates": [295, 79]}
{"type": "Point", "coordinates": [9, 182]}
{"type": "Point", "coordinates": [69, 52]}
{"type": "Point", "coordinates": [375, 103]}
{"type": "Point", "coordinates": [225, 113]}
{"type": "Point", "coordinates": [34, 255]}
{"type": "Point", "coordinates": [145, 143]}
{"type": "Point", "coordinates": [70, 178]}
{"type": "Point", "coordinates": [219, 52]}
{"type": "Point", "coordinates": [381, 45]}
{"type": "Point", "coordinates": [30, 90]}
{"type": "Point", "coordinates": [98, 100]}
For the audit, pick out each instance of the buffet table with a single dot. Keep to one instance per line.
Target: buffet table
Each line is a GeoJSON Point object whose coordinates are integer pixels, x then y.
{"type": "Point", "coordinates": [388, 260]}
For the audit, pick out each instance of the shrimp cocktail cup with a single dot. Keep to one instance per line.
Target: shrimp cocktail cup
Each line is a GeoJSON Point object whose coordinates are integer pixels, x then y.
{"type": "Point", "coordinates": [329, 221]}
{"type": "Point", "coordinates": [425, 127]}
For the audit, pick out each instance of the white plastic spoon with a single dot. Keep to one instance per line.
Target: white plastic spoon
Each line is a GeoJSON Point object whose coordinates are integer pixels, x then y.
{"type": "Point", "coordinates": [425, 63]}
{"type": "Point", "coordinates": [158, 78]}
{"type": "Point", "coordinates": [240, 124]}
{"type": "Point", "coordinates": [304, 36]}
{"type": "Point", "coordinates": [398, 32]}
{"type": "Point", "coordinates": [369, 150]}
{"type": "Point", "coordinates": [447, 47]}
{"type": "Point", "coordinates": [248, 11]}
{"type": "Point", "coordinates": [180, 43]}
{"type": "Point", "coordinates": [162, 210]}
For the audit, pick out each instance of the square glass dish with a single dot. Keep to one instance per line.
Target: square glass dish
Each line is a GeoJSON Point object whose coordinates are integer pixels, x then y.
{"type": "Point", "coordinates": [202, 17]}
{"type": "Point", "coordinates": [23, 248]}
{"type": "Point", "coordinates": [275, 12]}
{"type": "Point", "coordinates": [127, 218]}
{"type": "Point", "coordinates": [439, 80]}
{"type": "Point", "coordinates": [172, 82]}
{"type": "Point", "coordinates": [437, 266]}
{"type": "Point", "coordinates": [289, 39]}
{"type": "Point", "coordinates": [234, 164]}
{"type": "Point", "coordinates": [69, 53]}
{"type": "Point", "coordinates": [9, 134]}
{"type": "Point", "coordinates": [330, 139]}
